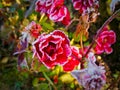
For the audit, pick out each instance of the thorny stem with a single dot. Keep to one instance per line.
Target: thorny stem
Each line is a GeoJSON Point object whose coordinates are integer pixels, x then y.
{"type": "Point", "coordinates": [101, 29]}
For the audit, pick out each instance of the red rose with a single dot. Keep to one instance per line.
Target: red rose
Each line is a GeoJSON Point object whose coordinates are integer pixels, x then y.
{"type": "Point", "coordinates": [73, 60]}
{"type": "Point", "coordinates": [43, 6]}
{"type": "Point", "coordinates": [104, 41]}
{"type": "Point", "coordinates": [60, 14]}
{"type": "Point", "coordinates": [58, 3]}
{"type": "Point", "coordinates": [52, 49]}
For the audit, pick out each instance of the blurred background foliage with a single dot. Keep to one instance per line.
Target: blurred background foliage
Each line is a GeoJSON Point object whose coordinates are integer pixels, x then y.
{"type": "Point", "coordinates": [15, 15]}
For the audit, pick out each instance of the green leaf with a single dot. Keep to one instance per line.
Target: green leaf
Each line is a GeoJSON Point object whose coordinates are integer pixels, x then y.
{"type": "Point", "coordinates": [72, 85]}
{"type": "Point", "coordinates": [25, 22]}
{"type": "Point", "coordinates": [33, 17]}
{"type": "Point", "coordinates": [42, 68]}
{"type": "Point", "coordinates": [70, 34]}
{"type": "Point", "coordinates": [38, 66]}
{"type": "Point", "coordinates": [35, 82]}
{"type": "Point", "coordinates": [84, 38]}
{"type": "Point", "coordinates": [56, 71]}
{"type": "Point", "coordinates": [18, 85]}
{"type": "Point", "coordinates": [4, 60]}
{"type": "Point", "coordinates": [35, 65]}
{"type": "Point", "coordinates": [43, 19]}
{"type": "Point", "coordinates": [43, 86]}
{"type": "Point", "coordinates": [66, 78]}
{"type": "Point", "coordinates": [20, 12]}
{"type": "Point", "coordinates": [47, 26]}
{"type": "Point", "coordinates": [1, 5]}
{"type": "Point", "coordinates": [116, 75]}
{"type": "Point", "coordinates": [76, 38]}
{"type": "Point", "coordinates": [86, 43]}
{"type": "Point", "coordinates": [45, 23]}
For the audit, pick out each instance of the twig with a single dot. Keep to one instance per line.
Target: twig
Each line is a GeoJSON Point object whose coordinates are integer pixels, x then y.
{"type": "Point", "coordinates": [101, 29]}
{"type": "Point", "coordinates": [73, 20]}
{"type": "Point", "coordinates": [29, 11]}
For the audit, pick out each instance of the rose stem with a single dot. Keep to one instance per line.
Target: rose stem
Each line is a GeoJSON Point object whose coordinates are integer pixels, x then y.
{"type": "Point", "coordinates": [45, 75]}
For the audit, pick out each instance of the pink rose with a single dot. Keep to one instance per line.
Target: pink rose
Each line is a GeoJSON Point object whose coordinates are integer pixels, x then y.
{"type": "Point", "coordinates": [85, 6]}
{"type": "Point", "coordinates": [73, 60]}
{"type": "Point", "coordinates": [52, 49]}
{"type": "Point", "coordinates": [44, 6]}
{"type": "Point", "coordinates": [104, 41]}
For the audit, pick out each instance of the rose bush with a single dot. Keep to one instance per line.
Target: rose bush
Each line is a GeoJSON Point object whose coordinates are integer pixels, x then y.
{"type": "Point", "coordinates": [52, 49]}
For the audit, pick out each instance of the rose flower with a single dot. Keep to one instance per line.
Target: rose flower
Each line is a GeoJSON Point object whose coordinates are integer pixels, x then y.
{"type": "Point", "coordinates": [104, 41]}
{"type": "Point", "coordinates": [52, 49]}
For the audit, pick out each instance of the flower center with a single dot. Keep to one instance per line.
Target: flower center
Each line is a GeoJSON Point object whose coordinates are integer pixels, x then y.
{"type": "Point", "coordinates": [105, 40]}
{"type": "Point", "coordinates": [50, 49]}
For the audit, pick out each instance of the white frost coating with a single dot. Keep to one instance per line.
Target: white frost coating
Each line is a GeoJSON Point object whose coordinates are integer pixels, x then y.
{"type": "Point", "coordinates": [113, 3]}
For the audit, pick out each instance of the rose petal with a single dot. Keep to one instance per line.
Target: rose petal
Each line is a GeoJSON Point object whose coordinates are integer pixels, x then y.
{"type": "Point", "coordinates": [61, 33]}
{"type": "Point", "coordinates": [61, 59]}
{"type": "Point", "coordinates": [66, 19]}
{"type": "Point", "coordinates": [70, 65]}
{"type": "Point", "coordinates": [108, 50]}
{"type": "Point", "coordinates": [99, 49]}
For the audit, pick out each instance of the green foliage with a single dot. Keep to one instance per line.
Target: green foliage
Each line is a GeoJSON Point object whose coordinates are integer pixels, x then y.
{"type": "Point", "coordinates": [35, 82]}
{"type": "Point", "coordinates": [46, 25]}
{"type": "Point", "coordinates": [1, 5]}
{"type": "Point", "coordinates": [66, 78]}
{"type": "Point", "coordinates": [43, 86]}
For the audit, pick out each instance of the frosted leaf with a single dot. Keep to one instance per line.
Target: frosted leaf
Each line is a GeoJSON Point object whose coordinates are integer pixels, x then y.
{"type": "Point", "coordinates": [113, 3]}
